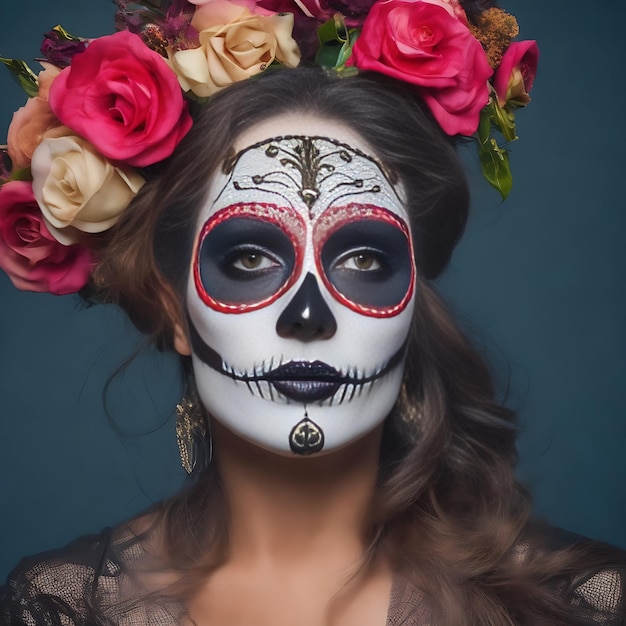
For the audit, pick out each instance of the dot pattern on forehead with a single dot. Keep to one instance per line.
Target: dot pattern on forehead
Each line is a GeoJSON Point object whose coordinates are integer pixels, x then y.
{"type": "Point", "coordinates": [312, 171]}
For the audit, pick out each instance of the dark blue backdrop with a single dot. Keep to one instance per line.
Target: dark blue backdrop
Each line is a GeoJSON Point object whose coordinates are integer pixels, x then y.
{"type": "Point", "coordinates": [539, 281]}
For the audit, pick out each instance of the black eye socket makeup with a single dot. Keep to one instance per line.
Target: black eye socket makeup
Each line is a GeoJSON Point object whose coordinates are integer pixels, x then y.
{"type": "Point", "coordinates": [366, 260]}
{"type": "Point", "coordinates": [369, 263]}
{"type": "Point", "coordinates": [247, 256]}
{"type": "Point", "coordinates": [245, 260]}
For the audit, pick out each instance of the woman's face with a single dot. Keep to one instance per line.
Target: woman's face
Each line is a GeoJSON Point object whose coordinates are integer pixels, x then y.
{"type": "Point", "coordinates": [301, 290]}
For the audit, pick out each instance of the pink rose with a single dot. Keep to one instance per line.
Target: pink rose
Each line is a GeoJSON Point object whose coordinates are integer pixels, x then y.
{"type": "Point", "coordinates": [515, 75]}
{"type": "Point", "coordinates": [424, 42]}
{"type": "Point", "coordinates": [29, 254]}
{"type": "Point", "coordinates": [124, 99]}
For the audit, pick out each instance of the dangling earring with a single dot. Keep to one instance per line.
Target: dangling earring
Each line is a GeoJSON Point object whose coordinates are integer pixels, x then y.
{"type": "Point", "coordinates": [193, 433]}
{"type": "Point", "coordinates": [411, 415]}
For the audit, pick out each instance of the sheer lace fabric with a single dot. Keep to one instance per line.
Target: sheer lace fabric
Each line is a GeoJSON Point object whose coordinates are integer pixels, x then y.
{"type": "Point", "coordinates": [84, 584]}
{"type": "Point", "coordinates": [87, 584]}
{"type": "Point", "coordinates": [597, 595]}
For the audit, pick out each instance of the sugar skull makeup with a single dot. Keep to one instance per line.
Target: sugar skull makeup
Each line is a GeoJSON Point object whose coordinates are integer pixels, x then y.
{"type": "Point", "coordinates": [301, 295]}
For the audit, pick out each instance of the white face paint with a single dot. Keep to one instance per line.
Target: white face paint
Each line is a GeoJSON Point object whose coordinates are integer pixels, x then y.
{"type": "Point", "coordinates": [301, 294]}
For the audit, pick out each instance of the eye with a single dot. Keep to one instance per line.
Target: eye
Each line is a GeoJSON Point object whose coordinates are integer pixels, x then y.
{"type": "Point", "coordinates": [367, 265]}
{"type": "Point", "coordinates": [243, 262]}
{"type": "Point", "coordinates": [361, 261]}
{"type": "Point", "coordinates": [252, 260]}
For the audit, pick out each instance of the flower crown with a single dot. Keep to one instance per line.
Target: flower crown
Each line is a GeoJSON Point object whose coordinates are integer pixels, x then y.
{"type": "Point", "coordinates": [102, 109]}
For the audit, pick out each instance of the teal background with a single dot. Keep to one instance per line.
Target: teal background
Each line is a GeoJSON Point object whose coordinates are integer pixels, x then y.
{"type": "Point", "coordinates": [538, 280]}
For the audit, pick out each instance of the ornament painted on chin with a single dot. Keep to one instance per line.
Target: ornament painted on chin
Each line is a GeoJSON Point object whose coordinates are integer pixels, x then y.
{"type": "Point", "coordinates": [306, 437]}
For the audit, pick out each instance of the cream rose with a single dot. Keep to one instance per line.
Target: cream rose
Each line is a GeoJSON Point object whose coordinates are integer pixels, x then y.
{"type": "Point", "coordinates": [77, 189]}
{"type": "Point", "coordinates": [241, 45]}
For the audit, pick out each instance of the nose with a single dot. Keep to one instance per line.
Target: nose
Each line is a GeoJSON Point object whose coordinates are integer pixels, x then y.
{"type": "Point", "coordinates": [307, 317]}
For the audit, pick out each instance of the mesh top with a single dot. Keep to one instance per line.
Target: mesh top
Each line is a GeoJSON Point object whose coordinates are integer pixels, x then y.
{"type": "Point", "coordinates": [84, 583]}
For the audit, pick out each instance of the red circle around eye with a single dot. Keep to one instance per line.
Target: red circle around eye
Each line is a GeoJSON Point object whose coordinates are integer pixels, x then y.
{"type": "Point", "coordinates": [336, 217]}
{"type": "Point", "coordinates": [285, 218]}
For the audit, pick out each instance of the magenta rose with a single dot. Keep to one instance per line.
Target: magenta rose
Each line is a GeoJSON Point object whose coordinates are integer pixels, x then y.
{"type": "Point", "coordinates": [424, 42]}
{"type": "Point", "coordinates": [29, 254]}
{"type": "Point", "coordinates": [515, 75]}
{"type": "Point", "coordinates": [124, 99]}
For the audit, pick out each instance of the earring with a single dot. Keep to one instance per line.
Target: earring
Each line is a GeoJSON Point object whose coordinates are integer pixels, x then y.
{"type": "Point", "coordinates": [193, 433]}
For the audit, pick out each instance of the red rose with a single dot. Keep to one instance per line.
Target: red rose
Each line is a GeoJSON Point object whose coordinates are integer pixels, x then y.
{"type": "Point", "coordinates": [425, 43]}
{"type": "Point", "coordinates": [515, 75]}
{"type": "Point", "coordinates": [124, 99]}
{"type": "Point", "coordinates": [29, 254]}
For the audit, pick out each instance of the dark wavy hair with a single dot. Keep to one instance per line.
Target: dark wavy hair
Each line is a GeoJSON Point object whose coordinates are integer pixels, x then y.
{"type": "Point", "coordinates": [448, 511]}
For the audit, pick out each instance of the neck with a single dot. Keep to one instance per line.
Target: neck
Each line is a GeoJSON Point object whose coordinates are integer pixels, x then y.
{"type": "Point", "coordinates": [283, 506]}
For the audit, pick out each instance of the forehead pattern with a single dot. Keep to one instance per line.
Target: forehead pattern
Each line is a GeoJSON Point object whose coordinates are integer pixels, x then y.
{"type": "Point", "coordinates": [302, 172]}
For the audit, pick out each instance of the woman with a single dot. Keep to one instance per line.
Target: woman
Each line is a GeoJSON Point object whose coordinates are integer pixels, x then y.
{"type": "Point", "coordinates": [286, 260]}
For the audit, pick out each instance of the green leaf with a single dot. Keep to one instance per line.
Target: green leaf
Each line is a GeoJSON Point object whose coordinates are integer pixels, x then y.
{"type": "Point", "coordinates": [504, 119]}
{"type": "Point", "coordinates": [21, 174]}
{"type": "Point", "coordinates": [331, 35]}
{"type": "Point", "coordinates": [332, 31]}
{"type": "Point", "coordinates": [494, 163]}
{"type": "Point", "coordinates": [23, 75]}
{"type": "Point", "coordinates": [484, 125]}
{"type": "Point", "coordinates": [336, 42]}
{"type": "Point", "coordinates": [328, 54]}
{"type": "Point", "coordinates": [346, 49]}
{"type": "Point", "coordinates": [344, 71]}
{"type": "Point", "coordinates": [501, 118]}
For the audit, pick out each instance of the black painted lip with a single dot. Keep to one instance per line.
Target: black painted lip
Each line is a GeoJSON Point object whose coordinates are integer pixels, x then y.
{"type": "Point", "coordinates": [305, 381]}
{"type": "Point", "coordinates": [305, 390]}
{"type": "Point", "coordinates": [304, 370]}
